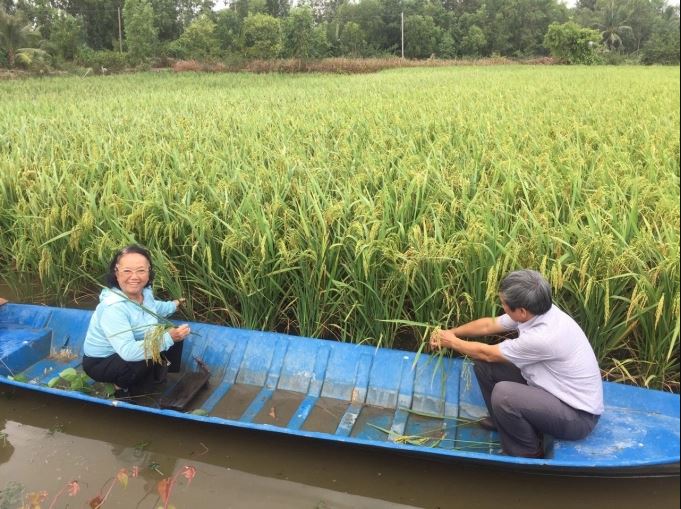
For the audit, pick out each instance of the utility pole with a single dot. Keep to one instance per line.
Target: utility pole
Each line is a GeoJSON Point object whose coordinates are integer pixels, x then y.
{"type": "Point", "coordinates": [120, 33]}
{"type": "Point", "coordinates": [402, 30]}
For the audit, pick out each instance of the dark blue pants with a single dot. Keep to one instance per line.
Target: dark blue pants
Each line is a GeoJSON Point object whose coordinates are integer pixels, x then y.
{"type": "Point", "coordinates": [131, 375]}
{"type": "Point", "coordinates": [523, 414]}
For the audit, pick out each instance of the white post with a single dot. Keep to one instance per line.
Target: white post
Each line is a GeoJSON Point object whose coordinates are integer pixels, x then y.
{"type": "Point", "coordinates": [120, 33]}
{"type": "Point", "coordinates": [402, 30]}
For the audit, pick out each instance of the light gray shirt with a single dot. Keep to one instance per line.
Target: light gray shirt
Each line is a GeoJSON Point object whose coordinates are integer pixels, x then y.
{"type": "Point", "coordinates": [553, 353]}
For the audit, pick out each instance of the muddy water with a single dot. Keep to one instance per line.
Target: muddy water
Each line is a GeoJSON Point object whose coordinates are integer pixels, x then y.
{"type": "Point", "coordinates": [45, 443]}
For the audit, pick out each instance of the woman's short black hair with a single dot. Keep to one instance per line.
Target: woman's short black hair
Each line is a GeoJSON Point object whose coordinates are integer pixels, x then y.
{"type": "Point", "coordinates": [526, 289]}
{"type": "Point", "coordinates": [111, 279]}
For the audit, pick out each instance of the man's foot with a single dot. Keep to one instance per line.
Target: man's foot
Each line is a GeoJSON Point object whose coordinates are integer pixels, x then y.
{"type": "Point", "coordinates": [537, 455]}
{"type": "Point", "coordinates": [488, 424]}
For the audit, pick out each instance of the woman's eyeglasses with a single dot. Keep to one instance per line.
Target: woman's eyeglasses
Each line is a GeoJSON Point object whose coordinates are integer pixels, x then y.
{"type": "Point", "coordinates": [130, 272]}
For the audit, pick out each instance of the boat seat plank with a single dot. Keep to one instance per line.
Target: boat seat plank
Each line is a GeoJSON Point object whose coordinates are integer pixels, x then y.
{"type": "Point", "coordinates": [260, 365]}
{"type": "Point", "coordinates": [408, 373]}
{"type": "Point", "coordinates": [314, 390]}
{"type": "Point", "coordinates": [303, 412]}
{"type": "Point", "coordinates": [179, 396]}
{"type": "Point", "coordinates": [235, 360]}
{"type": "Point", "coordinates": [226, 353]}
{"type": "Point", "coordinates": [276, 363]}
{"type": "Point", "coordinates": [399, 424]}
{"type": "Point", "coordinates": [348, 420]}
{"type": "Point", "coordinates": [358, 397]}
{"type": "Point", "coordinates": [256, 405]}
{"type": "Point", "coordinates": [384, 384]}
{"type": "Point", "coordinates": [274, 372]}
{"type": "Point", "coordinates": [218, 393]}
{"type": "Point", "coordinates": [321, 364]}
{"type": "Point", "coordinates": [236, 352]}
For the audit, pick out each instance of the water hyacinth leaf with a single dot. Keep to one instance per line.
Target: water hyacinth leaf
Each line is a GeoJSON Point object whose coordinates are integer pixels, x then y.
{"type": "Point", "coordinates": [53, 381]}
{"type": "Point", "coordinates": [108, 389]}
{"type": "Point", "coordinates": [69, 374]}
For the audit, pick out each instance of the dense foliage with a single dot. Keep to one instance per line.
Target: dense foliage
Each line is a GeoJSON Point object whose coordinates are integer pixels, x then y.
{"type": "Point", "coordinates": [571, 43]}
{"type": "Point", "coordinates": [346, 206]}
{"type": "Point", "coordinates": [644, 31]}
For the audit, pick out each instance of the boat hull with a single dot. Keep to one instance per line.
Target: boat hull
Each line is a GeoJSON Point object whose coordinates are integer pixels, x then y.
{"type": "Point", "coordinates": [385, 399]}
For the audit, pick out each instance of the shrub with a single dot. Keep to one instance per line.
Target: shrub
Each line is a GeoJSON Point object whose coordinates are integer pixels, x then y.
{"type": "Point", "coordinates": [663, 46]}
{"type": "Point", "coordinates": [262, 36]}
{"type": "Point", "coordinates": [572, 44]}
{"type": "Point", "coordinates": [197, 41]}
{"type": "Point", "coordinates": [102, 61]}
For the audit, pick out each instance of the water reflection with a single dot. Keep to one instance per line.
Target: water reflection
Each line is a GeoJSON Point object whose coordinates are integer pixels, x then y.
{"type": "Point", "coordinates": [73, 441]}
{"type": "Point", "coordinates": [58, 440]}
{"type": "Point", "coordinates": [6, 448]}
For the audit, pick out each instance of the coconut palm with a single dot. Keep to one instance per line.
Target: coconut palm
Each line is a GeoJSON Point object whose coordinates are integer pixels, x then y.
{"type": "Point", "coordinates": [16, 34]}
{"type": "Point", "coordinates": [613, 25]}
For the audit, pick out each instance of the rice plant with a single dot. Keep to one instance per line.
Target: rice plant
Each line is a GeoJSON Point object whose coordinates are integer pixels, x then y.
{"type": "Point", "coordinates": [355, 207]}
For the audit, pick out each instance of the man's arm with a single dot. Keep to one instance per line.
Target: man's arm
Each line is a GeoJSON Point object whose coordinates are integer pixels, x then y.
{"type": "Point", "coordinates": [473, 349]}
{"type": "Point", "coordinates": [478, 328]}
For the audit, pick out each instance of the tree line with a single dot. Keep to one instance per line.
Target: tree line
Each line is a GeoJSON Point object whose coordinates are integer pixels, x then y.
{"type": "Point", "coordinates": [115, 33]}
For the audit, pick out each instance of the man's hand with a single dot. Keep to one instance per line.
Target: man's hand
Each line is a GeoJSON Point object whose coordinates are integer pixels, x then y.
{"type": "Point", "coordinates": [440, 339]}
{"type": "Point", "coordinates": [3, 301]}
{"type": "Point", "coordinates": [179, 302]}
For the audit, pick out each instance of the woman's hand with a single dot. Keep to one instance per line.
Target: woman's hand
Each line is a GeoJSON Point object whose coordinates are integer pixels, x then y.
{"type": "Point", "coordinates": [179, 302]}
{"type": "Point", "coordinates": [179, 333]}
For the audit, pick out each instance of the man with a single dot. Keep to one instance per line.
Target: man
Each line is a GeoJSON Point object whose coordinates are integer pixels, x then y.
{"type": "Point", "coordinates": [546, 380]}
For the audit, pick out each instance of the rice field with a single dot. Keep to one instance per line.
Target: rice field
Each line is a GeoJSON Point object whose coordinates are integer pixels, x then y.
{"type": "Point", "coordinates": [365, 208]}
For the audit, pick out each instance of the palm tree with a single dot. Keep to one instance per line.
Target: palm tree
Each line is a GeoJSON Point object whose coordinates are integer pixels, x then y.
{"type": "Point", "coordinates": [15, 34]}
{"type": "Point", "coordinates": [612, 25]}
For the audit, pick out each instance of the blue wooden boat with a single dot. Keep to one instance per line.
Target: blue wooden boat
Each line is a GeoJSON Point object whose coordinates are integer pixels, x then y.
{"type": "Point", "coordinates": [354, 394]}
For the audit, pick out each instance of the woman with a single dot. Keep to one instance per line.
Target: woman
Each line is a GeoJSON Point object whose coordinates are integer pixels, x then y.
{"type": "Point", "coordinates": [114, 350]}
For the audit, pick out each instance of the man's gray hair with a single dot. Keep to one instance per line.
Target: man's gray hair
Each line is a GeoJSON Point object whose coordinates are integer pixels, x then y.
{"type": "Point", "coordinates": [526, 289]}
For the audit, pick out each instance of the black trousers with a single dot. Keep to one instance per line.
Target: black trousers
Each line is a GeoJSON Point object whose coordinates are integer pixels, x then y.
{"type": "Point", "coordinates": [131, 375]}
{"type": "Point", "coordinates": [523, 413]}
